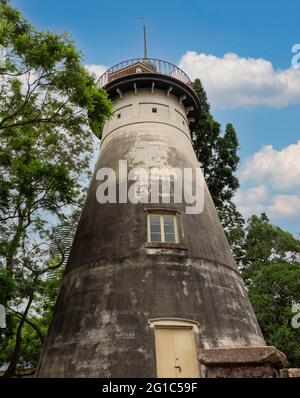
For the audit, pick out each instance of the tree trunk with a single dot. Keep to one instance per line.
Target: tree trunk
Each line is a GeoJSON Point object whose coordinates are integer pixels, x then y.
{"type": "Point", "coordinates": [11, 370]}
{"type": "Point", "coordinates": [33, 325]}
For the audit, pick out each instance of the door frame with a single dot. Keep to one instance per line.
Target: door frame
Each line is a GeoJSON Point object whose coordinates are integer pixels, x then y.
{"type": "Point", "coordinates": [176, 323]}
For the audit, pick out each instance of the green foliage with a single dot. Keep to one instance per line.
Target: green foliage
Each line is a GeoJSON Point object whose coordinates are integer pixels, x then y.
{"type": "Point", "coordinates": [267, 244]}
{"type": "Point", "coordinates": [49, 107]}
{"type": "Point", "coordinates": [233, 224]}
{"type": "Point", "coordinates": [273, 291]}
{"type": "Point", "coordinates": [268, 257]}
{"type": "Point", "coordinates": [217, 152]}
{"type": "Point", "coordinates": [272, 274]}
{"type": "Point", "coordinates": [47, 102]}
{"type": "Point", "coordinates": [46, 66]}
{"type": "Point", "coordinates": [36, 325]}
{"type": "Point", "coordinates": [37, 278]}
{"type": "Point", "coordinates": [7, 284]}
{"type": "Point", "coordinates": [31, 346]}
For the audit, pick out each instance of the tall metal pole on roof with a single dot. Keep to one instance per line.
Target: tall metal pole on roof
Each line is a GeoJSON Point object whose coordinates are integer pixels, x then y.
{"type": "Point", "coordinates": [145, 37]}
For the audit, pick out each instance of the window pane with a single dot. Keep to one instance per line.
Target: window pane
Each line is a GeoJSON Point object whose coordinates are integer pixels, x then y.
{"type": "Point", "coordinates": [169, 220]}
{"type": "Point", "coordinates": [155, 228]}
{"type": "Point", "coordinates": [162, 228]}
{"type": "Point", "coordinates": [155, 237]}
{"type": "Point", "coordinates": [170, 238]}
{"type": "Point", "coordinates": [154, 219]}
{"type": "Point", "coordinates": [169, 229]}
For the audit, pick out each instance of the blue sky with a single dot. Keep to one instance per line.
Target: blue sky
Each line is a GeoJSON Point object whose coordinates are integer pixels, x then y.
{"type": "Point", "coordinates": [256, 89]}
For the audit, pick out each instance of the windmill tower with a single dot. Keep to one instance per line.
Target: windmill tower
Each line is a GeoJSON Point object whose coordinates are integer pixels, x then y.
{"type": "Point", "coordinates": [146, 284]}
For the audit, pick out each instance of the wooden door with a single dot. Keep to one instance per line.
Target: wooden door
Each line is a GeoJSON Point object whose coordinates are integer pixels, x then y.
{"type": "Point", "coordinates": [176, 352]}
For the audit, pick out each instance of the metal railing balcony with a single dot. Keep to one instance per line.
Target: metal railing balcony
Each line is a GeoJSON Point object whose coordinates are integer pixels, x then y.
{"type": "Point", "coordinates": [143, 65]}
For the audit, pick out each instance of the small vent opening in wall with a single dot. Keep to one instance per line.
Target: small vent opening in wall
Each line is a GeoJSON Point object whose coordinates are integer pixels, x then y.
{"type": "Point", "coordinates": [154, 110]}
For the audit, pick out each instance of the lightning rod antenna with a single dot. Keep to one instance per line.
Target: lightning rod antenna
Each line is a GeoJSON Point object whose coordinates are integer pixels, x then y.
{"type": "Point", "coordinates": [145, 36]}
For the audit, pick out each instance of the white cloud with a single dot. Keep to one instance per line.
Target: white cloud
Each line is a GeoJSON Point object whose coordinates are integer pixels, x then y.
{"type": "Point", "coordinates": [276, 206]}
{"type": "Point", "coordinates": [280, 169]}
{"type": "Point", "coordinates": [233, 81]}
{"type": "Point", "coordinates": [252, 200]}
{"type": "Point", "coordinates": [97, 70]}
{"type": "Point", "coordinates": [285, 206]}
{"type": "Point", "coordinates": [270, 183]}
{"type": "Point", "coordinates": [259, 193]}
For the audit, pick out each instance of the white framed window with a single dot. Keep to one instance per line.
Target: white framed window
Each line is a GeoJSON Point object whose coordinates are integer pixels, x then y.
{"type": "Point", "coordinates": [162, 227]}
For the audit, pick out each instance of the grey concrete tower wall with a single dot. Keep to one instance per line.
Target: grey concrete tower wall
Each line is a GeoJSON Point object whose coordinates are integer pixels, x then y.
{"type": "Point", "coordinates": [115, 281]}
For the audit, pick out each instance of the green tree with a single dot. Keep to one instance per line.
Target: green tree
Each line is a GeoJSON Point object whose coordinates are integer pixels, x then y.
{"type": "Point", "coordinates": [36, 281]}
{"type": "Point", "coordinates": [49, 107]}
{"type": "Point", "coordinates": [233, 224]}
{"type": "Point", "coordinates": [268, 257]}
{"type": "Point", "coordinates": [267, 244]}
{"type": "Point", "coordinates": [217, 153]}
{"type": "Point", "coordinates": [272, 275]}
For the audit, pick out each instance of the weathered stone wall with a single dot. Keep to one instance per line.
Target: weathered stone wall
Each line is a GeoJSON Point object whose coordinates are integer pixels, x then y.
{"type": "Point", "coordinates": [291, 372]}
{"type": "Point", "coordinates": [246, 362]}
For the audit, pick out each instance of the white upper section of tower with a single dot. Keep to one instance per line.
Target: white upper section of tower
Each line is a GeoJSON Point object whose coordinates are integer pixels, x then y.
{"type": "Point", "coordinates": [147, 106]}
